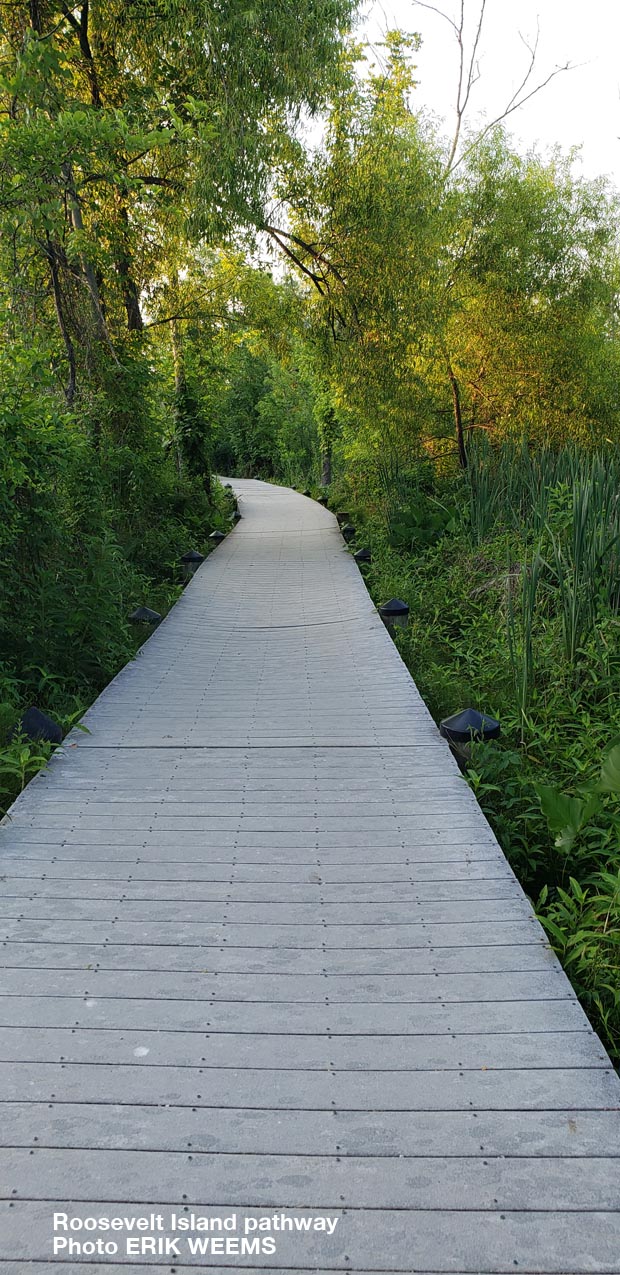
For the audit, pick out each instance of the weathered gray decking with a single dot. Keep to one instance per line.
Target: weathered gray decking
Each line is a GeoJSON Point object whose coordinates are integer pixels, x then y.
{"type": "Point", "coordinates": [262, 952]}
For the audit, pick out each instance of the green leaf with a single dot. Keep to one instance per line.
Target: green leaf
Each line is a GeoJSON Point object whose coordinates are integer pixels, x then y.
{"type": "Point", "coordinates": [610, 771]}
{"type": "Point", "coordinates": [564, 815]}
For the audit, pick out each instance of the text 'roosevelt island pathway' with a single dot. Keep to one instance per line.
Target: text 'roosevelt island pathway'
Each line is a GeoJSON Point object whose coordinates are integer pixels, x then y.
{"type": "Point", "coordinates": [266, 968]}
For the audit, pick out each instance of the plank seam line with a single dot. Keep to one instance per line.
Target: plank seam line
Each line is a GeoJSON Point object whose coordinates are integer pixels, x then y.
{"type": "Point", "coordinates": [224, 747]}
{"type": "Point", "coordinates": [269, 925]}
{"type": "Point", "coordinates": [114, 969]}
{"type": "Point", "coordinates": [289, 1270]}
{"type": "Point", "coordinates": [271, 903]}
{"type": "Point", "coordinates": [344, 1208]}
{"type": "Point", "coordinates": [66, 1063]}
{"type": "Point", "coordinates": [399, 947]}
{"type": "Point", "coordinates": [325, 1035]}
{"type": "Point", "coordinates": [326, 1002]}
{"type": "Point", "coordinates": [309, 1155]}
{"type": "Point", "coordinates": [199, 1105]}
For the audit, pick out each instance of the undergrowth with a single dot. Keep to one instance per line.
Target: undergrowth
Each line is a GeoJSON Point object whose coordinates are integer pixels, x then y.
{"type": "Point", "coordinates": [512, 574]}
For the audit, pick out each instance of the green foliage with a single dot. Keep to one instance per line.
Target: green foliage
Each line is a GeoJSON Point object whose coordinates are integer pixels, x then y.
{"type": "Point", "coordinates": [487, 628]}
{"type": "Point", "coordinates": [583, 925]}
{"type": "Point", "coordinates": [133, 141]}
{"type": "Point", "coordinates": [19, 761]}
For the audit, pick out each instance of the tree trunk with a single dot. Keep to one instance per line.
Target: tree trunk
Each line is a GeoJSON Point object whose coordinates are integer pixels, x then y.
{"type": "Point", "coordinates": [458, 417]}
{"type": "Point", "coordinates": [326, 465]}
{"type": "Point", "coordinates": [124, 266]}
{"type": "Point", "coordinates": [52, 257]}
{"type": "Point", "coordinates": [88, 272]}
{"type": "Point", "coordinates": [131, 295]}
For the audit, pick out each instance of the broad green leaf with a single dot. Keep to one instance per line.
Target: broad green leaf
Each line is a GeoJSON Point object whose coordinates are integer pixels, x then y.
{"type": "Point", "coordinates": [610, 771]}
{"type": "Point", "coordinates": [564, 815]}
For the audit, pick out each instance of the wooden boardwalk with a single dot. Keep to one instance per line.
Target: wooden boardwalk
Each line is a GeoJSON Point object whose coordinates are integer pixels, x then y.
{"type": "Point", "coordinates": [263, 956]}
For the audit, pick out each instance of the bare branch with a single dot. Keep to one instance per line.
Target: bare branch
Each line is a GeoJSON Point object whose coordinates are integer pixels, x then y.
{"type": "Point", "coordinates": [469, 74]}
{"type": "Point", "coordinates": [420, 4]}
{"type": "Point", "coordinates": [188, 316]}
{"type": "Point", "coordinates": [473, 74]}
{"type": "Point", "coordinates": [516, 105]}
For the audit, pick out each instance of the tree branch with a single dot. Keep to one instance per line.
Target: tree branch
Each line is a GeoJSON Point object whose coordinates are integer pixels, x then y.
{"type": "Point", "coordinates": [469, 74]}
{"type": "Point", "coordinates": [310, 249]}
{"type": "Point", "coordinates": [319, 283]}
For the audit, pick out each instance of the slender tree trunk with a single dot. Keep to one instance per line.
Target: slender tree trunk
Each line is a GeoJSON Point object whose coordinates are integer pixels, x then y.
{"type": "Point", "coordinates": [88, 272]}
{"type": "Point", "coordinates": [189, 442]}
{"type": "Point", "coordinates": [35, 16]}
{"type": "Point", "coordinates": [326, 465]}
{"type": "Point", "coordinates": [177, 358]}
{"type": "Point", "coordinates": [458, 417]}
{"type": "Point", "coordinates": [179, 386]}
{"type": "Point", "coordinates": [131, 295]}
{"type": "Point", "coordinates": [52, 257]}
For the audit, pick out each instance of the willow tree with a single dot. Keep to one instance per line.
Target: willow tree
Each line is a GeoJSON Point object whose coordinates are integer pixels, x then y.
{"type": "Point", "coordinates": [122, 122]}
{"type": "Point", "coordinates": [369, 226]}
{"type": "Point", "coordinates": [451, 297]}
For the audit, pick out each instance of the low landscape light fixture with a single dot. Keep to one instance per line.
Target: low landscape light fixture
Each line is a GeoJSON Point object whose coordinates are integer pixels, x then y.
{"type": "Point", "coordinates": [191, 562]}
{"type": "Point", "coordinates": [363, 555]}
{"type": "Point", "coordinates": [348, 532]}
{"type": "Point", "coordinates": [144, 615]}
{"type": "Point", "coordinates": [217, 537]}
{"type": "Point", "coordinates": [324, 500]}
{"type": "Point", "coordinates": [342, 518]}
{"type": "Point", "coordinates": [235, 516]}
{"type": "Point", "coordinates": [36, 725]}
{"type": "Point", "coordinates": [468, 726]}
{"type": "Point", "coordinates": [395, 613]}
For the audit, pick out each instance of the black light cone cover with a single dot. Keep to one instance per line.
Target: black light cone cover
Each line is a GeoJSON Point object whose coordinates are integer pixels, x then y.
{"type": "Point", "coordinates": [394, 607]}
{"type": "Point", "coordinates": [37, 725]}
{"type": "Point", "coordinates": [144, 615]}
{"type": "Point", "coordinates": [468, 725]}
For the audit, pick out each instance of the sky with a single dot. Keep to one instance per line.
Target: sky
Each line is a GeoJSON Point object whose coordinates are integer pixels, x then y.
{"type": "Point", "coordinates": [581, 107]}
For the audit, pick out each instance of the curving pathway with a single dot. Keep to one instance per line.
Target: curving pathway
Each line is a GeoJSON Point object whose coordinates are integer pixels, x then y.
{"type": "Point", "coordinates": [263, 956]}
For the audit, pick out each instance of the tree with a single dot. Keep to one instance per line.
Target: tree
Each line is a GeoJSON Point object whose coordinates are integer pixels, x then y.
{"type": "Point", "coordinates": [451, 300]}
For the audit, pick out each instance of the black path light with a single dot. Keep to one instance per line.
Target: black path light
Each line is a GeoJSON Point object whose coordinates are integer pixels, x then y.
{"type": "Point", "coordinates": [468, 726]}
{"type": "Point", "coordinates": [343, 517]}
{"type": "Point", "coordinates": [363, 555]}
{"type": "Point", "coordinates": [36, 725]}
{"type": "Point", "coordinates": [395, 613]}
{"type": "Point", "coordinates": [217, 537]}
{"type": "Point", "coordinates": [191, 562]}
{"type": "Point", "coordinates": [348, 532]}
{"type": "Point", "coordinates": [324, 500]}
{"type": "Point", "coordinates": [236, 516]}
{"type": "Point", "coordinates": [144, 615]}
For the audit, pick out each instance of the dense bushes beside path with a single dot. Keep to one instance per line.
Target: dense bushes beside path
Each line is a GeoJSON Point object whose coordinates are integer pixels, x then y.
{"type": "Point", "coordinates": [512, 573]}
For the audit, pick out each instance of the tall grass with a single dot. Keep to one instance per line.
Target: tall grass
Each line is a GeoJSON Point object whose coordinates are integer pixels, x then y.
{"type": "Point", "coordinates": [520, 633]}
{"type": "Point", "coordinates": [564, 505]}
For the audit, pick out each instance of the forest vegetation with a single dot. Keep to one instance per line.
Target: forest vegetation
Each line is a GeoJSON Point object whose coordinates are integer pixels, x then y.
{"type": "Point", "coordinates": [425, 329]}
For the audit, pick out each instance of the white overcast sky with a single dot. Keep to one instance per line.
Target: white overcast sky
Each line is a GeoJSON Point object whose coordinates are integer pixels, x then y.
{"type": "Point", "coordinates": [580, 107]}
